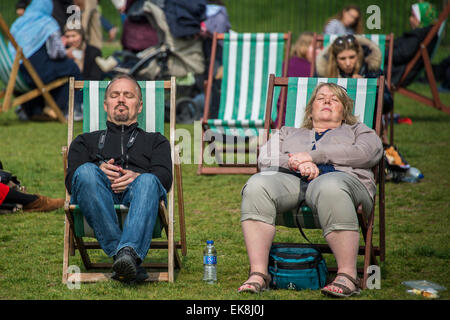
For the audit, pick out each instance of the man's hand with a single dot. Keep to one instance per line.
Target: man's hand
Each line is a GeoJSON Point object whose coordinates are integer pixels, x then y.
{"type": "Point", "coordinates": [120, 184]}
{"type": "Point", "coordinates": [295, 159]}
{"type": "Point", "coordinates": [112, 171]}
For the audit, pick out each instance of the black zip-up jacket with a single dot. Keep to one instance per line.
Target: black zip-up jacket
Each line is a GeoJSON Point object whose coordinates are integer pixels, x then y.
{"type": "Point", "coordinates": [150, 153]}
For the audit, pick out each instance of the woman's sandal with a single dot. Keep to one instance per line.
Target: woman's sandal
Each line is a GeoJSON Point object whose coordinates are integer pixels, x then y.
{"type": "Point", "coordinates": [346, 291]}
{"type": "Point", "coordinates": [255, 287]}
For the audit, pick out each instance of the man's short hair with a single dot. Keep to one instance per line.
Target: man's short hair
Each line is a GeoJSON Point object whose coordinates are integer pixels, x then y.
{"type": "Point", "coordinates": [124, 76]}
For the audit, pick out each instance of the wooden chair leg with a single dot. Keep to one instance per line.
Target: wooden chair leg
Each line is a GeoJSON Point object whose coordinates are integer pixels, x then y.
{"type": "Point", "coordinates": [40, 85]}
{"type": "Point", "coordinates": [179, 182]}
{"type": "Point", "coordinates": [12, 81]}
{"type": "Point", "coordinates": [431, 78]}
{"type": "Point", "coordinates": [66, 250]}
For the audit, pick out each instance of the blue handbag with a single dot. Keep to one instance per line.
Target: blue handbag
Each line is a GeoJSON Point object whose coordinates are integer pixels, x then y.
{"type": "Point", "coordinates": [297, 267]}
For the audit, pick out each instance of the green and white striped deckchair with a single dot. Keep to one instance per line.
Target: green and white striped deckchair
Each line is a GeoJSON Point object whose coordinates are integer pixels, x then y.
{"type": "Point", "coordinates": [248, 59]}
{"type": "Point", "coordinates": [364, 93]}
{"type": "Point", "coordinates": [13, 80]}
{"type": "Point", "coordinates": [151, 119]}
{"type": "Point", "coordinates": [6, 63]}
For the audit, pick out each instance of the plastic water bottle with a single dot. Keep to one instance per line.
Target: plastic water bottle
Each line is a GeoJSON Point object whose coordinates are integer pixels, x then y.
{"type": "Point", "coordinates": [210, 263]}
{"type": "Point", "coordinates": [412, 175]}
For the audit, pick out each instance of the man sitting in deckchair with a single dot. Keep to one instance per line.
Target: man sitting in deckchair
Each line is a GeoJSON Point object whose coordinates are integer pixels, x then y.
{"type": "Point", "coordinates": [121, 165]}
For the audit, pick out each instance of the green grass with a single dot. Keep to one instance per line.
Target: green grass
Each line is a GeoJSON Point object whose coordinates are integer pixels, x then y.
{"type": "Point", "coordinates": [31, 244]}
{"type": "Point", "coordinates": [417, 216]}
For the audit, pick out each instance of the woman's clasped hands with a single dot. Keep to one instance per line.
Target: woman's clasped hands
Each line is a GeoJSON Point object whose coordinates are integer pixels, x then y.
{"type": "Point", "coordinates": [303, 163]}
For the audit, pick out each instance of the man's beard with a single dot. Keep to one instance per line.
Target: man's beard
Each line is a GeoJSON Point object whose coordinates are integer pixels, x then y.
{"type": "Point", "coordinates": [121, 117]}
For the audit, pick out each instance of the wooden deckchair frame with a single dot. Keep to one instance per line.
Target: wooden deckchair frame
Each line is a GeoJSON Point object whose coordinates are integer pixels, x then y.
{"type": "Point", "coordinates": [369, 251]}
{"type": "Point", "coordinates": [422, 53]}
{"type": "Point", "coordinates": [317, 43]}
{"type": "Point", "coordinates": [166, 214]}
{"type": "Point", "coordinates": [42, 89]}
{"type": "Point", "coordinates": [231, 168]}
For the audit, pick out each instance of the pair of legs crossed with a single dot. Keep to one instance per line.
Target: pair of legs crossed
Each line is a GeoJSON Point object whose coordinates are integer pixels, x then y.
{"type": "Point", "coordinates": [333, 196]}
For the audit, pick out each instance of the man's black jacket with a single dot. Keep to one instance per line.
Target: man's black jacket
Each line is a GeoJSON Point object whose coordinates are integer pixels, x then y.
{"type": "Point", "coordinates": [150, 153]}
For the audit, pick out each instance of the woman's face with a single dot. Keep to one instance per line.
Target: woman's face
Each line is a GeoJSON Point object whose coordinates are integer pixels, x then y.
{"type": "Point", "coordinates": [349, 17]}
{"type": "Point", "coordinates": [346, 60]}
{"type": "Point", "coordinates": [73, 39]}
{"type": "Point", "coordinates": [310, 53]}
{"type": "Point", "coordinates": [327, 107]}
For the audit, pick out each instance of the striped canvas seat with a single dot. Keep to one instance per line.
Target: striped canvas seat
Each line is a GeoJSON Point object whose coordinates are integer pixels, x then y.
{"type": "Point", "coordinates": [236, 127]}
{"type": "Point", "coordinates": [248, 59]}
{"type": "Point", "coordinates": [362, 91]}
{"type": "Point", "coordinates": [151, 119]}
{"type": "Point", "coordinates": [6, 63]}
{"type": "Point", "coordinates": [378, 39]}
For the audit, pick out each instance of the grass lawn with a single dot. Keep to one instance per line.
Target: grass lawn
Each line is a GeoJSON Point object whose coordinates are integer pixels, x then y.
{"type": "Point", "coordinates": [31, 244]}
{"type": "Point", "coordinates": [417, 219]}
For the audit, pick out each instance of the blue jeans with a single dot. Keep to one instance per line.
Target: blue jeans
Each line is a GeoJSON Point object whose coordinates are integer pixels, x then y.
{"type": "Point", "coordinates": [91, 190]}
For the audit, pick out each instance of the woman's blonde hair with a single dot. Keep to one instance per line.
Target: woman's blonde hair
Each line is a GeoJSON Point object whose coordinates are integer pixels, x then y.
{"type": "Point", "coordinates": [348, 42]}
{"type": "Point", "coordinates": [300, 47]}
{"type": "Point", "coordinates": [343, 97]}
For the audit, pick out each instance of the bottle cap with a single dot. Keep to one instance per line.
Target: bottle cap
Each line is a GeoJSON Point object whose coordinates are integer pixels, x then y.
{"type": "Point", "coordinates": [209, 242]}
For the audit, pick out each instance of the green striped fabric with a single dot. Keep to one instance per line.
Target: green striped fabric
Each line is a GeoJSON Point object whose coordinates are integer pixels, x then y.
{"type": "Point", "coordinates": [6, 62]}
{"type": "Point", "coordinates": [151, 119]}
{"type": "Point", "coordinates": [378, 39]}
{"type": "Point", "coordinates": [248, 59]}
{"type": "Point", "coordinates": [362, 91]}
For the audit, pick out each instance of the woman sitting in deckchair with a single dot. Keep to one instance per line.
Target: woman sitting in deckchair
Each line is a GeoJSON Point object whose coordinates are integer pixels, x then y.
{"type": "Point", "coordinates": [335, 170]}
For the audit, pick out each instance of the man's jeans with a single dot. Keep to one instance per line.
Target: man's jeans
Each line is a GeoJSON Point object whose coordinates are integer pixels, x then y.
{"type": "Point", "coordinates": [91, 190]}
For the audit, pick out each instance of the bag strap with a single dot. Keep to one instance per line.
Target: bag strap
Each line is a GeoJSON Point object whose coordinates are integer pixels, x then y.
{"type": "Point", "coordinates": [301, 230]}
{"type": "Point", "coordinates": [304, 235]}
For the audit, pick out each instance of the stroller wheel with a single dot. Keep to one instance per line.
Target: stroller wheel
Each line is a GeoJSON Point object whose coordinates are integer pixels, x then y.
{"type": "Point", "coordinates": [186, 110]}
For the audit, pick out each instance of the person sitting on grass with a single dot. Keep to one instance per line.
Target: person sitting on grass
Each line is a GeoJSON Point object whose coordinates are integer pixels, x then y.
{"type": "Point", "coordinates": [130, 167]}
{"type": "Point", "coordinates": [29, 202]}
{"type": "Point", "coordinates": [422, 19]}
{"type": "Point", "coordinates": [82, 53]}
{"type": "Point", "coordinates": [39, 36]}
{"type": "Point", "coordinates": [336, 172]}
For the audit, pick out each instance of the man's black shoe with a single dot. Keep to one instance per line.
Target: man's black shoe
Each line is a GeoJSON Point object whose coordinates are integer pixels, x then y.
{"type": "Point", "coordinates": [141, 274]}
{"type": "Point", "coordinates": [125, 265]}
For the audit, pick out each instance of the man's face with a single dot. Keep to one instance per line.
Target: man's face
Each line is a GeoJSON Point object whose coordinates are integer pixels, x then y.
{"type": "Point", "coordinates": [122, 103]}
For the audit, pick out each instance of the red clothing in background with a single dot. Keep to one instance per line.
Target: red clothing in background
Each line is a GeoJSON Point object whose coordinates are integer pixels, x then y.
{"type": "Point", "coordinates": [4, 189]}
